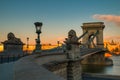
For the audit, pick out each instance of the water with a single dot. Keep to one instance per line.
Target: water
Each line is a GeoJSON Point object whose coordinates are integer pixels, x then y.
{"type": "Point", "coordinates": [110, 70]}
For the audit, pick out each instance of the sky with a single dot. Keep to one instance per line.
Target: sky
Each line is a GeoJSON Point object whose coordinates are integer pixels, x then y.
{"type": "Point", "coordinates": [58, 17]}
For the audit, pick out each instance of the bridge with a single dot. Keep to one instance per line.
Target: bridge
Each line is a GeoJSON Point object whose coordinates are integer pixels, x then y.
{"type": "Point", "coordinates": [65, 61]}
{"type": "Point", "coordinates": [90, 49]}
{"type": "Point", "coordinates": [92, 42]}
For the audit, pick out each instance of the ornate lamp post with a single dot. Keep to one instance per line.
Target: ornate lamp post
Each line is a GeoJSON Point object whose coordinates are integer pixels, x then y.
{"type": "Point", "coordinates": [38, 26]}
{"type": "Point", "coordinates": [58, 42]}
{"type": "Point", "coordinates": [27, 43]}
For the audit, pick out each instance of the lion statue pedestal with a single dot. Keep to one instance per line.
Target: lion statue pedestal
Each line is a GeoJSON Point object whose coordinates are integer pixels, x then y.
{"type": "Point", "coordinates": [13, 45]}
{"type": "Point", "coordinates": [72, 46]}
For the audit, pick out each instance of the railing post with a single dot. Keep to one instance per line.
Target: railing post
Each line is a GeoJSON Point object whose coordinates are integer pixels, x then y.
{"type": "Point", "coordinates": [73, 55]}
{"type": "Point", "coordinates": [74, 70]}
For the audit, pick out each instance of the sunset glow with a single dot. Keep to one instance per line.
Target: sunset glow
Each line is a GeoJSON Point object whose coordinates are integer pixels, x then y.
{"type": "Point", "coordinates": [32, 47]}
{"type": "Point", "coordinates": [58, 17]}
{"type": "Point", "coordinates": [108, 55]}
{"type": "Point", "coordinates": [44, 47]}
{"type": "Point", "coordinates": [50, 46]}
{"type": "Point", "coordinates": [59, 39]}
{"type": "Point", "coordinates": [1, 48]}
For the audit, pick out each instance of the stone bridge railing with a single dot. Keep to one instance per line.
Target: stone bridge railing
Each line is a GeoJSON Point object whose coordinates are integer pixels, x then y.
{"type": "Point", "coordinates": [46, 66]}
{"type": "Point", "coordinates": [11, 58]}
{"type": "Point", "coordinates": [34, 67]}
{"type": "Point", "coordinates": [53, 67]}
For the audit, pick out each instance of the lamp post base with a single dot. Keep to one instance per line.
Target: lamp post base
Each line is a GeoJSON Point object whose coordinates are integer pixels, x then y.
{"type": "Point", "coordinates": [37, 51]}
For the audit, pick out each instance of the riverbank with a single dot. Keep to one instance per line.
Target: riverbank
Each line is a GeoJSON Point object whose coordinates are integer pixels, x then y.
{"type": "Point", "coordinates": [96, 76]}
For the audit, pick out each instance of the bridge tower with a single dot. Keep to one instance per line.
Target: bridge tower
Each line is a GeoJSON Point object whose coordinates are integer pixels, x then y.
{"type": "Point", "coordinates": [95, 30]}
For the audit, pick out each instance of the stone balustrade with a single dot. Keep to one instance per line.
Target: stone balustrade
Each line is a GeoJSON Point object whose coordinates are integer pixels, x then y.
{"type": "Point", "coordinates": [31, 68]}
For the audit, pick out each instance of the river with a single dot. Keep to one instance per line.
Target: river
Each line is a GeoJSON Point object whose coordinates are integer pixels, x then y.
{"type": "Point", "coordinates": [112, 70]}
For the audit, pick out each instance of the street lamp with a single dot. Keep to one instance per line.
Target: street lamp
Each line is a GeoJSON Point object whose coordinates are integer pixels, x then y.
{"type": "Point", "coordinates": [58, 42]}
{"type": "Point", "coordinates": [27, 43]}
{"type": "Point", "coordinates": [38, 26]}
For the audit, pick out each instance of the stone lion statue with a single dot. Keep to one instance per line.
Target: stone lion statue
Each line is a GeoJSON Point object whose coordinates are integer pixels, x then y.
{"type": "Point", "coordinates": [11, 36]}
{"type": "Point", "coordinates": [72, 45]}
{"type": "Point", "coordinates": [12, 39]}
{"type": "Point", "coordinates": [72, 38]}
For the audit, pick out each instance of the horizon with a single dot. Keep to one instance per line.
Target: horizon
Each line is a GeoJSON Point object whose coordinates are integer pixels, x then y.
{"type": "Point", "coordinates": [50, 46]}
{"type": "Point", "coordinates": [58, 17]}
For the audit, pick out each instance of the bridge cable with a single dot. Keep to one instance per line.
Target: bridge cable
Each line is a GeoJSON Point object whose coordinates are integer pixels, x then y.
{"type": "Point", "coordinates": [91, 39]}
{"type": "Point", "coordinates": [82, 35]}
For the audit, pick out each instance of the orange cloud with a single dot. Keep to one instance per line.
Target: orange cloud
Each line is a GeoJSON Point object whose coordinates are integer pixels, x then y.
{"type": "Point", "coordinates": [109, 18]}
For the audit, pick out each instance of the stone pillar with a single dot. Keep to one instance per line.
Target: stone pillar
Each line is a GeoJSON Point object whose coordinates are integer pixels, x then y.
{"type": "Point", "coordinates": [85, 37]}
{"type": "Point", "coordinates": [72, 46]}
{"type": "Point", "coordinates": [74, 70]}
{"type": "Point", "coordinates": [74, 52]}
{"type": "Point", "coordinates": [73, 55]}
{"type": "Point", "coordinates": [100, 43]}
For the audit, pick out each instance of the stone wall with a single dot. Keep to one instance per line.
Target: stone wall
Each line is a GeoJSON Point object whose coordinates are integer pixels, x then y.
{"type": "Point", "coordinates": [69, 70]}
{"type": "Point", "coordinates": [58, 68]}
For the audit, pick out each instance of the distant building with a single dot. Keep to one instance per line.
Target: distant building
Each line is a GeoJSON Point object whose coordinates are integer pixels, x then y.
{"type": "Point", "coordinates": [112, 43]}
{"type": "Point", "coordinates": [112, 46]}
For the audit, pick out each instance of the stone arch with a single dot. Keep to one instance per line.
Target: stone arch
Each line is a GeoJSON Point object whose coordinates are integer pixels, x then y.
{"type": "Point", "coordinates": [93, 43]}
{"type": "Point", "coordinates": [96, 29]}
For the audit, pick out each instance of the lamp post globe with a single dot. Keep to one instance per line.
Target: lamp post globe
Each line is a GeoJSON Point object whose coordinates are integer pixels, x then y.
{"type": "Point", "coordinates": [38, 26]}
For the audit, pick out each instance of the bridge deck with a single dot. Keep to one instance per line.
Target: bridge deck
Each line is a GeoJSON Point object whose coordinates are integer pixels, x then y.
{"type": "Point", "coordinates": [86, 52]}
